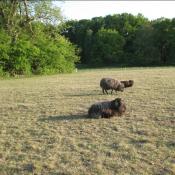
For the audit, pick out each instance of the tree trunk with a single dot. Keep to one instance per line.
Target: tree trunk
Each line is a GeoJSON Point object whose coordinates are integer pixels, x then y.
{"type": "Point", "coordinates": [163, 53]}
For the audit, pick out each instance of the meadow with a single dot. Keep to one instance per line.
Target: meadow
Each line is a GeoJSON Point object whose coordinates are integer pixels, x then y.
{"type": "Point", "coordinates": [44, 128]}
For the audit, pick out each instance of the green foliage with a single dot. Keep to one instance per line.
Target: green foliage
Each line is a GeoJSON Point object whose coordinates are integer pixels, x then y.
{"type": "Point", "coordinates": [145, 52]}
{"type": "Point", "coordinates": [164, 31]}
{"type": "Point", "coordinates": [30, 40]}
{"type": "Point", "coordinates": [19, 57]}
{"type": "Point", "coordinates": [123, 39]}
{"type": "Point", "coordinates": [107, 47]}
{"type": "Point", "coordinates": [40, 54]}
{"type": "Point", "coordinates": [4, 49]}
{"type": "Point", "coordinates": [46, 12]}
{"type": "Point", "coordinates": [56, 55]}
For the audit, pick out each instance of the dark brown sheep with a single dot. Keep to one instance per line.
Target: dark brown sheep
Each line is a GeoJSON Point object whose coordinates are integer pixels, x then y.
{"type": "Point", "coordinates": [109, 83]}
{"type": "Point", "coordinates": [128, 83]}
{"type": "Point", "coordinates": [107, 109]}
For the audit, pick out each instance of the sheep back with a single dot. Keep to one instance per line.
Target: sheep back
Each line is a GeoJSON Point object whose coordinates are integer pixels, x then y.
{"type": "Point", "coordinates": [109, 83]}
{"type": "Point", "coordinates": [107, 109]}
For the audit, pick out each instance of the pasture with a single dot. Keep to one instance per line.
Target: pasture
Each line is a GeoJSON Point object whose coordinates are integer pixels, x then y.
{"type": "Point", "coordinates": [44, 128]}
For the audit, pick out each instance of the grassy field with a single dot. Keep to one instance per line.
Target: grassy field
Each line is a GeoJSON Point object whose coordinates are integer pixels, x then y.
{"type": "Point", "coordinates": [44, 128]}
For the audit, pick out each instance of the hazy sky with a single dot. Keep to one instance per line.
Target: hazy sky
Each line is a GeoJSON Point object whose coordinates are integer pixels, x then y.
{"type": "Point", "coordinates": [89, 9]}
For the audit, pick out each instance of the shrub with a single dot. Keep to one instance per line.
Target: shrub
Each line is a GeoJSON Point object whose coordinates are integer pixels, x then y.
{"type": "Point", "coordinates": [56, 56]}
{"type": "Point", "coordinates": [39, 54]}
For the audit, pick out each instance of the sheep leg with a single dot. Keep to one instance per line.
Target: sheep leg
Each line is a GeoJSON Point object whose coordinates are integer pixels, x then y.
{"type": "Point", "coordinates": [103, 91]}
{"type": "Point", "coordinates": [106, 91]}
{"type": "Point", "coordinates": [111, 91]}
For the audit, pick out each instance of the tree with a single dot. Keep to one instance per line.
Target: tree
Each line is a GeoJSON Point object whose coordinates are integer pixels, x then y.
{"type": "Point", "coordinates": [107, 47]}
{"type": "Point", "coordinates": [17, 15]}
{"type": "Point", "coordinates": [96, 24]}
{"type": "Point", "coordinates": [143, 42]}
{"type": "Point", "coordinates": [87, 46]}
{"type": "Point", "coordinates": [145, 51]}
{"type": "Point", "coordinates": [164, 37]}
{"type": "Point", "coordinates": [31, 40]}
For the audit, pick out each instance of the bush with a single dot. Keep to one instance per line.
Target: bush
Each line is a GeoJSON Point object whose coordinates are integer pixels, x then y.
{"type": "Point", "coordinates": [18, 62]}
{"type": "Point", "coordinates": [56, 56]}
{"type": "Point", "coordinates": [4, 49]}
{"type": "Point", "coordinates": [39, 54]}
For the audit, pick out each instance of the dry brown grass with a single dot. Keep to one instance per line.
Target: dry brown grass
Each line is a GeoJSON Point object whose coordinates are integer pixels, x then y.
{"type": "Point", "coordinates": [44, 128]}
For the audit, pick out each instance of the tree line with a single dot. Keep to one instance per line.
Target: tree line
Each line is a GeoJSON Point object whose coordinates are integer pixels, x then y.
{"type": "Point", "coordinates": [123, 39]}
{"type": "Point", "coordinates": [35, 39]}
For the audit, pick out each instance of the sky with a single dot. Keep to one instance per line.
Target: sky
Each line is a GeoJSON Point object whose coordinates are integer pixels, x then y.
{"type": "Point", "coordinates": [89, 9]}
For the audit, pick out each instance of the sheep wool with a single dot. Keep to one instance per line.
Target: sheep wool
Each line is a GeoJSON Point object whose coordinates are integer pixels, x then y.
{"type": "Point", "coordinates": [107, 109]}
{"type": "Point", "coordinates": [128, 83]}
{"type": "Point", "coordinates": [109, 83]}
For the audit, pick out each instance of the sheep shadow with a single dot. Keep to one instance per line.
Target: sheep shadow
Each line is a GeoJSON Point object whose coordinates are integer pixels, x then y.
{"type": "Point", "coordinates": [91, 94]}
{"type": "Point", "coordinates": [82, 95]}
{"type": "Point", "coordinates": [63, 118]}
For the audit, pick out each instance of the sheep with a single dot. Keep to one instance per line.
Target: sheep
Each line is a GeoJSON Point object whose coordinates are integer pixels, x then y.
{"type": "Point", "coordinates": [128, 83]}
{"type": "Point", "coordinates": [109, 83]}
{"type": "Point", "coordinates": [107, 109]}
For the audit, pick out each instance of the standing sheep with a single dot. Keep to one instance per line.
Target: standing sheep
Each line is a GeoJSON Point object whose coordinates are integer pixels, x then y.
{"type": "Point", "coordinates": [128, 83]}
{"type": "Point", "coordinates": [109, 83]}
{"type": "Point", "coordinates": [107, 109]}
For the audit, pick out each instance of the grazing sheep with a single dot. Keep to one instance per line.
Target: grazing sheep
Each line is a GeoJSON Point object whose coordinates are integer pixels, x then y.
{"type": "Point", "coordinates": [107, 109]}
{"type": "Point", "coordinates": [109, 83]}
{"type": "Point", "coordinates": [128, 83]}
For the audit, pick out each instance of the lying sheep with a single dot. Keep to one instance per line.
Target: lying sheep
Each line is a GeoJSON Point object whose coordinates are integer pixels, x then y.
{"type": "Point", "coordinates": [109, 83]}
{"type": "Point", "coordinates": [107, 109]}
{"type": "Point", "coordinates": [128, 83]}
